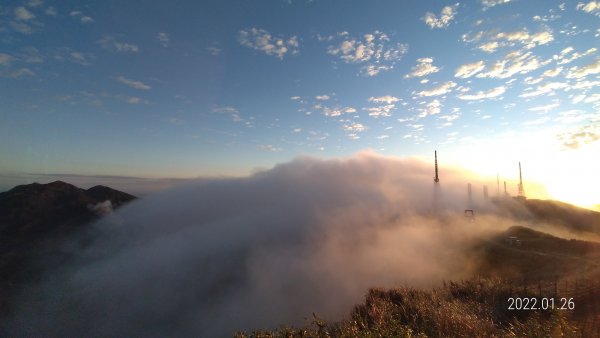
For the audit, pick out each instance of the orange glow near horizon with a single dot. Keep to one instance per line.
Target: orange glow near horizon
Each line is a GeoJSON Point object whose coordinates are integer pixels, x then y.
{"type": "Point", "coordinates": [549, 170]}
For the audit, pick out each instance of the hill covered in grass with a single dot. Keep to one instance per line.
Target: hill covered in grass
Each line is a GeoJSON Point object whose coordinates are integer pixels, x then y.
{"type": "Point", "coordinates": [518, 262]}
{"type": "Point", "coordinates": [522, 253]}
{"type": "Point", "coordinates": [567, 216]}
{"type": "Point", "coordinates": [472, 308]}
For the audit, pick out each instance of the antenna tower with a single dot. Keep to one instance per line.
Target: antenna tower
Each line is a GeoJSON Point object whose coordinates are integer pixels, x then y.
{"type": "Point", "coordinates": [521, 194]}
{"type": "Point", "coordinates": [436, 179]}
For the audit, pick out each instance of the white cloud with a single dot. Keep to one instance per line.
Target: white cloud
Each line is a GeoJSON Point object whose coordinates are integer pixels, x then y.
{"type": "Point", "coordinates": [270, 147]}
{"type": "Point", "coordinates": [134, 100]}
{"type": "Point", "coordinates": [386, 98]}
{"type": "Point", "coordinates": [214, 50]}
{"type": "Point", "coordinates": [445, 18]}
{"type": "Point", "coordinates": [491, 3]}
{"type": "Point", "coordinates": [424, 67]}
{"type": "Point", "coordinates": [494, 92]}
{"type": "Point", "coordinates": [34, 3]}
{"type": "Point", "coordinates": [226, 109]}
{"type": "Point", "coordinates": [126, 47]}
{"type": "Point", "coordinates": [552, 72]}
{"type": "Point", "coordinates": [21, 27]}
{"type": "Point", "coordinates": [592, 98]}
{"type": "Point", "coordinates": [261, 40]}
{"type": "Point", "coordinates": [380, 111]}
{"type": "Point", "coordinates": [295, 98]}
{"type": "Point", "coordinates": [585, 84]}
{"type": "Point", "coordinates": [21, 13]}
{"type": "Point", "coordinates": [81, 17]}
{"type": "Point", "coordinates": [322, 97]}
{"type": "Point", "coordinates": [491, 41]}
{"type": "Point", "coordinates": [489, 47]}
{"type": "Point", "coordinates": [232, 111]}
{"type": "Point", "coordinates": [526, 39]}
{"type": "Point", "coordinates": [133, 84]}
{"type": "Point", "coordinates": [354, 127]}
{"type": "Point", "coordinates": [531, 81]}
{"type": "Point", "coordinates": [110, 43]}
{"type": "Point", "coordinates": [513, 63]}
{"type": "Point", "coordinates": [545, 108]}
{"type": "Point", "coordinates": [372, 70]}
{"type": "Point", "coordinates": [563, 58]}
{"type": "Point", "coordinates": [333, 112]}
{"type": "Point", "coordinates": [547, 88]}
{"type": "Point", "coordinates": [592, 7]}
{"type": "Point", "coordinates": [374, 49]}
{"type": "Point", "coordinates": [592, 68]}
{"type": "Point", "coordinates": [81, 58]}
{"type": "Point", "coordinates": [431, 108]}
{"type": "Point", "coordinates": [18, 73]}
{"type": "Point", "coordinates": [449, 118]}
{"type": "Point", "coordinates": [573, 116]}
{"type": "Point", "coordinates": [163, 38]}
{"type": "Point", "coordinates": [547, 18]}
{"type": "Point", "coordinates": [582, 135]}
{"type": "Point", "coordinates": [64, 54]}
{"type": "Point", "coordinates": [469, 69]}
{"type": "Point", "coordinates": [443, 88]}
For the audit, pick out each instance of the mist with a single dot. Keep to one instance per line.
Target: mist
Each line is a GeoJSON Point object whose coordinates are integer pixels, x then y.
{"type": "Point", "coordinates": [216, 256]}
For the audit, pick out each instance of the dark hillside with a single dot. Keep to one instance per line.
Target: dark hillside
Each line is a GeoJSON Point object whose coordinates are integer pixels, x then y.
{"type": "Point", "coordinates": [33, 220]}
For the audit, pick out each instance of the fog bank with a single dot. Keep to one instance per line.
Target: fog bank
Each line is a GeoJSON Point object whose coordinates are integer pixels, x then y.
{"type": "Point", "coordinates": [216, 256]}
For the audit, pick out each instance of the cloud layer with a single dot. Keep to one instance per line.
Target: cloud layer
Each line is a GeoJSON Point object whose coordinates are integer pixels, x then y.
{"type": "Point", "coordinates": [235, 254]}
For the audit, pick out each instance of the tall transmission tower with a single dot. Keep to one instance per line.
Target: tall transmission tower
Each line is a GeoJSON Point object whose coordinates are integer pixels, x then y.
{"type": "Point", "coordinates": [521, 194]}
{"type": "Point", "coordinates": [436, 179]}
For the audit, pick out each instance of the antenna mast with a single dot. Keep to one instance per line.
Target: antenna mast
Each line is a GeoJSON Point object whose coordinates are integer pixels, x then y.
{"type": "Point", "coordinates": [436, 179]}
{"type": "Point", "coordinates": [520, 182]}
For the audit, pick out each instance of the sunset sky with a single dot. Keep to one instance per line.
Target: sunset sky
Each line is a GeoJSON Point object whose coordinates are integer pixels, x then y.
{"type": "Point", "coordinates": [184, 89]}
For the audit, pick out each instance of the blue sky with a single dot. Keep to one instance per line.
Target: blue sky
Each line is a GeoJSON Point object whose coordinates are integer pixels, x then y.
{"type": "Point", "coordinates": [193, 88]}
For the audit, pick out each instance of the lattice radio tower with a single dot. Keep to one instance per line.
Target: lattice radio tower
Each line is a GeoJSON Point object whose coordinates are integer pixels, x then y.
{"type": "Point", "coordinates": [436, 179]}
{"type": "Point", "coordinates": [521, 194]}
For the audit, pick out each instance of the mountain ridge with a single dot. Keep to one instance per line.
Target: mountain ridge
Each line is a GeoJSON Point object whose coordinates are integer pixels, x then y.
{"type": "Point", "coordinates": [34, 220]}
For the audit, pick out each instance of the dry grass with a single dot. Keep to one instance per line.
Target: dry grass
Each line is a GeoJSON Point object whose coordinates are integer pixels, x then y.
{"type": "Point", "coordinates": [473, 308]}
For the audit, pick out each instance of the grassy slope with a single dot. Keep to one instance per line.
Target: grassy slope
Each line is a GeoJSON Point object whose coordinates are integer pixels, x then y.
{"type": "Point", "coordinates": [479, 307]}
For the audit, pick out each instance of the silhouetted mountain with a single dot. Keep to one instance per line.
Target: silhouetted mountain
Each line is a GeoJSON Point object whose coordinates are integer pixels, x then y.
{"type": "Point", "coordinates": [36, 209]}
{"type": "Point", "coordinates": [34, 218]}
{"type": "Point", "coordinates": [554, 212]}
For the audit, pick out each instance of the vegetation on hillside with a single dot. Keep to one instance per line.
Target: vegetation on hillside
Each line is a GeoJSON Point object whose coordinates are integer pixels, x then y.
{"type": "Point", "coordinates": [519, 262]}
{"type": "Point", "coordinates": [472, 308]}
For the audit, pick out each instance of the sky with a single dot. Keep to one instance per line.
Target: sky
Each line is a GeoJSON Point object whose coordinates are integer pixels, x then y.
{"type": "Point", "coordinates": [180, 89]}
